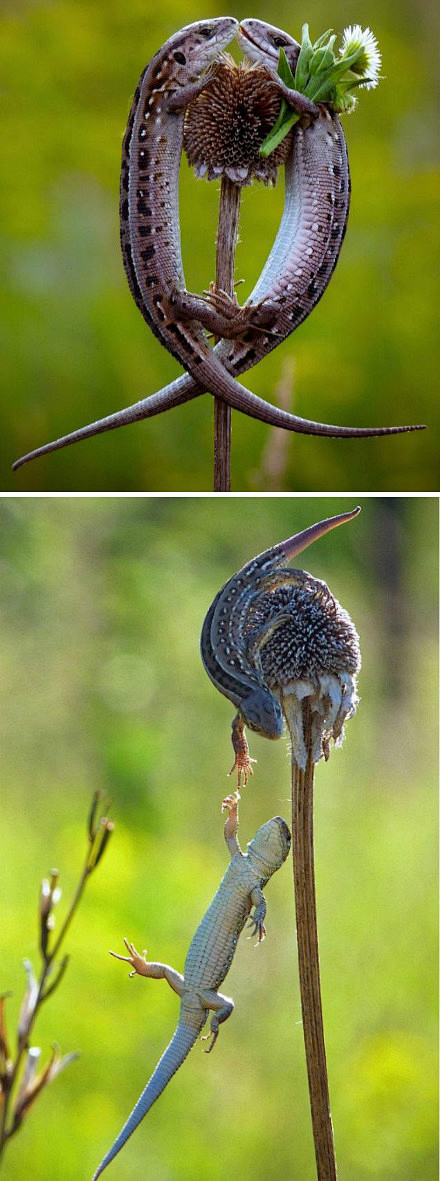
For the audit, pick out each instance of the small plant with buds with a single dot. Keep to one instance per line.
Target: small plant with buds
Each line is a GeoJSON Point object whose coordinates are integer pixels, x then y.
{"type": "Point", "coordinates": [326, 78]}
{"type": "Point", "coordinates": [21, 1081]}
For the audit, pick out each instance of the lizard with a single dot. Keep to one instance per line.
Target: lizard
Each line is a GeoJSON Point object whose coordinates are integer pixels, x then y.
{"type": "Point", "coordinates": [210, 954]}
{"type": "Point", "coordinates": [292, 281]}
{"type": "Point", "coordinates": [224, 651]}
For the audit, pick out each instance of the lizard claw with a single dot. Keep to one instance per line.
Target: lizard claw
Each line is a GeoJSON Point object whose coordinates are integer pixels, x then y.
{"type": "Point", "coordinates": [219, 299]}
{"type": "Point", "coordinates": [258, 928]}
{"type": "Point", "coordinates": [231, 802]}
{"type": "Point", "coordinates": [243, 768]}
{"type": "Point", "coordinates": [261, 314]}
{"type": "Point", "coordinates": [256, 922]}
{"type": "Point", "coordinates": [136, 961]}
{"type": "Point", "coordinates": [205, 1038]}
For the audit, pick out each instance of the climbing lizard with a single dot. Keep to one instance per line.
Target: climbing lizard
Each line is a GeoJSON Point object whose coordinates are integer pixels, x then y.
{"type": "Point", "coordinates": [223, 649]}
{"type": "Point", "coordinates": [293, 279]}
{"type": "Point", "coordinates": [210, 954]}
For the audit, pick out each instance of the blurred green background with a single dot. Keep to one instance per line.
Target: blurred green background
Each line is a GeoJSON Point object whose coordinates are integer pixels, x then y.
{"type": "Point", "coordinates": [102, 686]}
{"type": "Point", "coordinates": [74, 346]}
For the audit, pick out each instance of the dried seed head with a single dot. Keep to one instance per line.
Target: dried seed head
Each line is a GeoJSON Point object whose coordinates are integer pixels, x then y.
{"type": "Point", "coordinates": [226, 125]}
{"type": "Point", "coordinates": [308, 650]}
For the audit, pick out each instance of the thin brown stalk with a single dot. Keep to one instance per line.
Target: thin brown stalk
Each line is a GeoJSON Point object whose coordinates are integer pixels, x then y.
{"type": "Point", "coordinates": [308, 957]}
{"type": "Point", "coordinates": [227, 236]}
{"type": "Point", "coordinates": [23, 1042]}
{"type": "Point", "coordinates": [99, 832]}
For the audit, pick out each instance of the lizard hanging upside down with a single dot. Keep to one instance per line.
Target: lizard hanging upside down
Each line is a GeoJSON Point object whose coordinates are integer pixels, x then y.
{"type": "Point", "coordinates": [229, 648]}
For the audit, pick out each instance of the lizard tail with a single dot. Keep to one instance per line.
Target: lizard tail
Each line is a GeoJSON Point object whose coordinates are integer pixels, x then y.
{"type": "Point", "coordinates": [179, 391]}
{"type": "Point", "coordinates": [178, 1049]}
{"type": "Point", "coordinates": [183, 389]}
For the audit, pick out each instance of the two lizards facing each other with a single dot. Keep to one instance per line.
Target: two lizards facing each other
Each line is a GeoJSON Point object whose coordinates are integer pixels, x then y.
{"type": "Point", "coordinates": [300, 264]}
{"type": "Point", "coordinates": [210, 954]}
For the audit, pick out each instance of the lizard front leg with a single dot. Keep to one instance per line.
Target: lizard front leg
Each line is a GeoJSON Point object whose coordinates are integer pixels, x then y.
{"type": "Point", "coordinates": [243, 762]}
{"type": "Point", "coordinates": [154, 971]}
{"type": "Point", "coordinates": [256, 922]}
{"type": "Point", "coordinates": [296, 101]}
{"type": "Point", "coordinates": [231, 826]}
{"type": "Point", "coordinates": [223, 1007]}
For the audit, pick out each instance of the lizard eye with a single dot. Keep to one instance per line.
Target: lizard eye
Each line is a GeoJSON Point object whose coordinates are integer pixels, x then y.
{"type": "Point", "coordinates": [279, 42]}
{"type": "Point", "coordinates": [207, 32]}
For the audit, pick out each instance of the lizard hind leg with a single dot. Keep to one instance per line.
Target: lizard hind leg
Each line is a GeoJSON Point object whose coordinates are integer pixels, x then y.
{"type": "Point", "coordinates": [223, 1007]}
{"type": "Point", "coordinates": [261, 314]}
{"type": "Point", "coordinates": [221, 314]}
{"type": "Point", "coordinates": [153, 971]}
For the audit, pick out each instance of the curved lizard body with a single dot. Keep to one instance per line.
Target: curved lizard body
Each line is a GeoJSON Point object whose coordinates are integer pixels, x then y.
{"type": "Point", "coordinates": [210, 954]}
{"type": "Point", "coordinates": [224, 651]}
{"type": "Point", "coordinates": [150, 230]}
{"type": "Point", "coordinates": [295, 276]}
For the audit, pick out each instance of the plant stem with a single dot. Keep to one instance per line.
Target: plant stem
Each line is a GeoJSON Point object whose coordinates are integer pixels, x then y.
{"type": "Point", "coordinates": [227, 236]}
{"type": "Point", "coordinates": [23, 1042]}
{"type": "Point", "coordinates": [308, 956]}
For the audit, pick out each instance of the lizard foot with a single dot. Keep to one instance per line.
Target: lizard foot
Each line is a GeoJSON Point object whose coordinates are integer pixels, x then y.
{"type": "Point", "coordinates": [214, 1028]}
{"type": "Point", "coordinates": [260, 315]}
{"type": "Point", "coordinates": [231, 802]}
{"type": "Point", "coordinates": [226, 305]}
{"type": "Point", "coordinates": [256, 924]}
{"type": "Point", "coordinates": [213, 1034]}
{"type": "Point", "coordinates": [243, 762]}
{"type": "Point", "coordinates": [244, 769]}
{"type": "Point", "coordinates": [138, 962]}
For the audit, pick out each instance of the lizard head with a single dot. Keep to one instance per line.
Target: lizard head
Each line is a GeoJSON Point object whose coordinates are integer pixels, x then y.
{"type": "Point", "coordinates": [262, 43]}
{"type": "Point", "coordinates": [270, 846]}
{"type": "Point", "coordinates": [200, 43]}
{"type": "Point", "coordinates": [262, 712]}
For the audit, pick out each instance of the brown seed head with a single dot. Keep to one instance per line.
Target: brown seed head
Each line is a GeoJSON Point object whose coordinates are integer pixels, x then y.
{"type": "Point", "coordinates": [307, 648]}
{"type": "Point", "coordinates": [227, 123]}
{"type": "Point", "coordinates": [308, 634]}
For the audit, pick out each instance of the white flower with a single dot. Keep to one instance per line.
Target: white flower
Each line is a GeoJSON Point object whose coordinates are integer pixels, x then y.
{"type": "Point", "coordinates": [368, 61]}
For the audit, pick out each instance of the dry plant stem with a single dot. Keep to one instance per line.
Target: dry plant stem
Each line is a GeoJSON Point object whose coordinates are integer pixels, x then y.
{"type": "Point", "coordinates": [227, 235]}
{"type": "Point", "coordinates": [308, 958]}
{"type": "Point", "coordinates": [22, 1045]}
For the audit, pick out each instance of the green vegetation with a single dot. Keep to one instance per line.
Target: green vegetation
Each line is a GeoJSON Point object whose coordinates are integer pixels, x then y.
{"type": "Point", "coordinates": [103, 687]}
{"type": "Point", "coordinates": [75, 347]}
{"type": "Point", "coordinates": [326, 78]}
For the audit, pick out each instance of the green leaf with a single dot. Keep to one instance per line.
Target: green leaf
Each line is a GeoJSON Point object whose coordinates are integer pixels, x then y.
{"type": "Point", "coordinates": [323, 58]}
{"type": "Point", "coordinates": [302, 65]}
{"type": "Point", "coordinates": [284, 71]}
{"type": "Point", "coordinates": [320, 76]}
{"type": "Point", "coordinates": [277, 134]}
{"type": "Point", "coordinates": [321, 40]}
